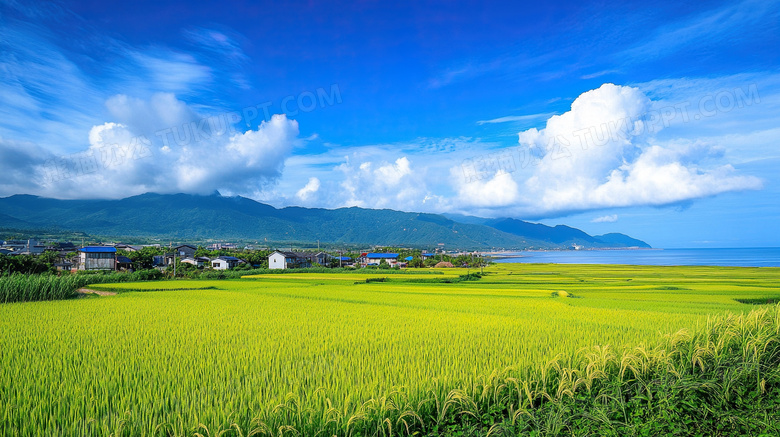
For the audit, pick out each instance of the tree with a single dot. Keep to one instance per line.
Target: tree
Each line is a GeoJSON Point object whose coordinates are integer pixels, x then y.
{"type": "Point", "coordinates": [144, 258]}
{"type": "Point", "coordinates": [416, 262]}
{"type": "Point", "coordinates": [430, 262]}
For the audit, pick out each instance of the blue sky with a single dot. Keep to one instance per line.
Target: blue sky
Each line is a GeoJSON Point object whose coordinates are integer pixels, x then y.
{"type": "Point", "coordinates": [657, 120]}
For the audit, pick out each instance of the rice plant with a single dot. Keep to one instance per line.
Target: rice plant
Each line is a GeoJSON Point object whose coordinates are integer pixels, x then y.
{"type": "Point", "coordinates": [316, 354]}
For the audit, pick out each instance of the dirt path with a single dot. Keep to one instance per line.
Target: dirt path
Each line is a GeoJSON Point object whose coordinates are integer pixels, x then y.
{"type": "Point", "coordinates": [99, 293]}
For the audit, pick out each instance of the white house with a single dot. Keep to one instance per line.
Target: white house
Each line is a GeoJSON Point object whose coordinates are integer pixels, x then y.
{"type": "Point", "coordinates": [224, 262]}
{"type": "Point", "coordinates": [287, 260]}
{"type": "Point", "coordinates": [197, 262]}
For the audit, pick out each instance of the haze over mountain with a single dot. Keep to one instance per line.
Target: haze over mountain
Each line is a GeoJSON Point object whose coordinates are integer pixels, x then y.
{"type": "Point", "coordinates": [194, 217]}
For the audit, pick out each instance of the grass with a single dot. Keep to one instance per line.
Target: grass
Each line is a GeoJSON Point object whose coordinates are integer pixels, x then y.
{"type": "Point", "coordinates": [318, 354]}
{"type": "Point", "coordinates": [29, 288]}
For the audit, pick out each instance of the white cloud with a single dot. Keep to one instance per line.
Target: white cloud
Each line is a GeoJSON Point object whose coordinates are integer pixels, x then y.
{"type": "Point", "coordinates": [393, 174]}
{"type": "Point", "coordinates": [599, 74]}
{"type": "Point", "coordinates": [499, 191]}
{"type": "Point", "coordinates": [309, 189]}
{"type": "Point", "coordinates": [602, 153]}
{"type": "Point", "coordinates": [124, 159]}
{"type": "Point", "coordinates": [723, 25]}
{"type": "Point", "coordinates": [171, 71]}
{"type": "Point", "coordinates": [605, 219]}
{"type": "Point", "coordinates": [509, 118]}
{"type": "Point", "coordinates": [380, 184]}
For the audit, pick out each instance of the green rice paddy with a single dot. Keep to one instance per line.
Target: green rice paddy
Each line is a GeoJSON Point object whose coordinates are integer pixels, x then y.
{"type": "Point", "coordinates": [298, 354]}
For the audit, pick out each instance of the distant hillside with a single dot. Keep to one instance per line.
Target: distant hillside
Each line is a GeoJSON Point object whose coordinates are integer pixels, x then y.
{"type": "Point", "coordinates": [184, 216]}
{"type": "Point", "coordinates": [560, 235]}
{"type": "Point", "coordinates": [9, 222]}
{"type": "Point", "coordinates": [618, 240]}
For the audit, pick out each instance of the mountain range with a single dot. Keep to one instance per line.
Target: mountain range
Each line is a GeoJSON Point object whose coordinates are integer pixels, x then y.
{"type": "Point", "coordinates": [193, 217]}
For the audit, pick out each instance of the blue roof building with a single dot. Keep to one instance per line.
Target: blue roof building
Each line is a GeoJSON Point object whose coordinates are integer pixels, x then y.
{"type": "Point", "coordinates": [97, 258]}
{"type": "Point", "coordinates": [98, 249]}
{"type": "Point", "coordinates": [382, 255]}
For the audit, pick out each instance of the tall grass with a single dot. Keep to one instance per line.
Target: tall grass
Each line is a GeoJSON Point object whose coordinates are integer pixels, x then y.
{"type": "Point", "coordinates": [26, 288]}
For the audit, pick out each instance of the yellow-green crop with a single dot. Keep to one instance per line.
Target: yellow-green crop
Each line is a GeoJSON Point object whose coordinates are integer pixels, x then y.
{"type": "Point", "coordinates": [328, 353]}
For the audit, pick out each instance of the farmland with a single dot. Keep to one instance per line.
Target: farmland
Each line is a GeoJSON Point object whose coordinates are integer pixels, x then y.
{"type": "Point", "coordinates": [337, 354]}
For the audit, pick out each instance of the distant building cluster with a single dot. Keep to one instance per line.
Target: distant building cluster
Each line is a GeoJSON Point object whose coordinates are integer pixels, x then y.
{"type": "Point", "coordinates": [108, 257]}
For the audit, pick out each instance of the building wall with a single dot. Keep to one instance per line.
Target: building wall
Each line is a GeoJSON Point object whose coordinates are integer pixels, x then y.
{"type": "Point", "coordinates": [97, 261]}
{"type": "Point", "coordinates": [185, 252]}
{"type": "Point", "coordinates": [276, 261]}
{"type": "Point", "coordinates": [390, 261]}
{"type": "Point", "coordinates": [219, 264]}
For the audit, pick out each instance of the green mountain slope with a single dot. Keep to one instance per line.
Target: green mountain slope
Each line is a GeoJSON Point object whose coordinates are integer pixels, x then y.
{"type": "Point", "coordinates": [184, 216]}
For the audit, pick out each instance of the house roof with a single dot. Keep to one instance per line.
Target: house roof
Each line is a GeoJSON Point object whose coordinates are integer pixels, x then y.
{"type": "Point", "coordinates": [344, 258]}
{"type": "Point", "coordinates": [185, 245]}
{"type": "Point", "coordinates": [428, 254]}
{"type": "Point", "coordinates": [382, 255]}
{"type": "Point", "coordinates": [123, 259]}
{"type": "Point", "coordinates": [98, 249]}
{"type": "Point", "coordinates": [228, 258]}
{"type": "Point", "coordinates": [292, 254]}
{"type": "Point", "coordinates": [409, 258]}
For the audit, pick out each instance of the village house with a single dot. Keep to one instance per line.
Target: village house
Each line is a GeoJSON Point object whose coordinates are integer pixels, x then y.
{"type": "Point", "coordinates": [320, 258]}
{"type": "Point", "coordinates": [15, 246]}
{"type": "Point", "coordinates": [345, 261]}
{"type": "Point", "coordinates": [63, 266]}
{"type": "Point", "coordinates": [185, 251]}
{"type": "Point", "coordinates": [376, 258]}
{"type": "Point", "coordinates": [288, 260]}
{"type": "Point", "coordinates": [127, 248]}
{"type": "Point", "coordinates": [225, 262]}
{"type": "Point", "coordinates": [30, 247]}
{"type": "Point", "coordinates": [197, 262]}
{"type": "Point", "coordinates": [97, 258]}
{"type": "Point", "coordinates": [124, 263]}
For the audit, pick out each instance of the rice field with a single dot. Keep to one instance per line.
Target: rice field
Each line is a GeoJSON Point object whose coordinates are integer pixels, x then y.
{"type": "Point", "coordinates": [319, 354]}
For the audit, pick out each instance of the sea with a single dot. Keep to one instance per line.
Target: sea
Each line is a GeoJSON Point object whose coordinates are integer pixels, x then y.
{"type": "Point", "coordinates": [741, 257]}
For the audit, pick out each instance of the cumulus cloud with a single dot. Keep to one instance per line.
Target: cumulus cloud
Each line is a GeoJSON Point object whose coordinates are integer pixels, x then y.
{"type": "Point", "coordinates": [602, 153]}
{"type": "Point", "coordinates": [193, 154]}
{"type": "Point", "coordinates": [499, 191]}
{"type": "Point", "coordinates": [375, 183]}
{"type": "Point", "coordinates": [309, 189]}
{"type": "Point", "coordinates": [605, 219]}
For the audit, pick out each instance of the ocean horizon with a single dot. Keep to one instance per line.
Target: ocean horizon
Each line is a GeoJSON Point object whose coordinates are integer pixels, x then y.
{"type": "Point", "coordinates": [730, 257]}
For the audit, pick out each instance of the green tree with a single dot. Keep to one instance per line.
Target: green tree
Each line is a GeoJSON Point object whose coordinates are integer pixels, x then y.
{"type": "Point", "coordinates": [416, 262]}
